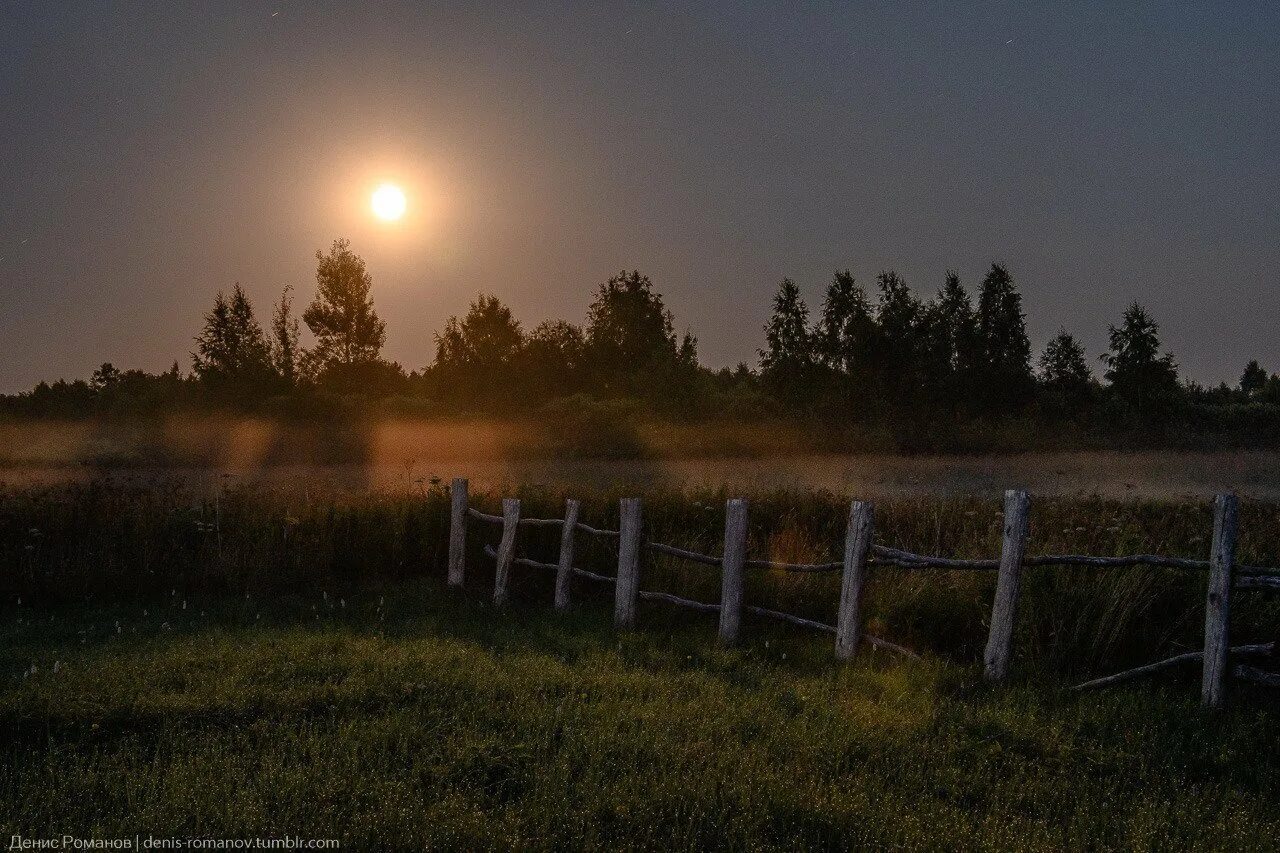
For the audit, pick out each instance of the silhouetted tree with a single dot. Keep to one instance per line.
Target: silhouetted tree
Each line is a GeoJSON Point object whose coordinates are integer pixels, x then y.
{"type": "Point", "coordinates": [555, 354]}
{"type": "Point", "coordinates": [788, 360]}
{"type": "Point", "coordinates": [231, 351]}
{"type": "Point", "coordinates": [1270, 392]}
{"type": "Point", "coordinates": [483, 345]}
{"type": "Point", "coordinates": [896, 347]}
{"type": "Point", "coordinates": [341, 316]}
{"type": "Point", "coordinates": [1063, 369]}
{"type": "Point", "coordinates": [934, 354]}
{"type": "Point", "coordinates": [1253, 380]}
{"type": "Point", "coordinates": [1003, 375]}
{"type": "Point", "coordinates": [846, 329]}
{"type": "Point", "coordinates": [630, 338]}
{"type": "Point", "coordinates": [687, 354]}
{"type": "Point", "coordinates": [960, 325]}
{"type": "Point", "coordinates": [284, 339]}
{"type": "Point", "coordinates": [105, 377]}
{"type": "Point", "coordinates": [1138, 373]}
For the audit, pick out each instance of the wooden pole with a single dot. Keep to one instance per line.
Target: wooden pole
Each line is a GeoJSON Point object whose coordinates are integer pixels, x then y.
{"type": "Point", "coordinates": [857, 544]}
{"type": "Point", "coordinates": [564, 569]}
{"type": "Point", "coordinates": [506, 549]}
{"type": "Point", "coordinates": [457, 531]}
{"type": "Point", "coordinates": [1000, 641]}
{"type": "Point", "coordinates": [1217, 608]}
{"type": "Point", "coordinates": [731, 570]}
{"type": "Point", "coordinates": [628, 582]}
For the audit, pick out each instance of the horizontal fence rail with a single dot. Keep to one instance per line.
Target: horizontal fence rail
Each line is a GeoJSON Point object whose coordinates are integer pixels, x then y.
{"type": "Point", "coordinates": [861, 553]}
{"type": "Point", "coordinates": [1138, 671]}
{"type": "Point", "coordinates": [704, 607]}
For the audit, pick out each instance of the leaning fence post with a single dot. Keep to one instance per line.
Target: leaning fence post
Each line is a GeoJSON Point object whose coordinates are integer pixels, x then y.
{"type": "Point", "coordinates": [857, 544]}
{"type": "Point", "coordinates": [731, 570]}
{"type": "Point", "coordinates": [564, 569]}
{"type": "Point", "coordinates": [457, 531]}
{"type": "Point", "coordinates": [628, 581]}
{"type": "Point", "coordinates": [506, 549]}
{"type": "Point", "coordinates": [1217, 608]}
{"type": "Point", "coordinates": [1000, 640]}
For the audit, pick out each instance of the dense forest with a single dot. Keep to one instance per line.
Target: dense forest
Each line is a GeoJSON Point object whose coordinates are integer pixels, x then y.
{"type": "Point", "coordinates": [875, 366]}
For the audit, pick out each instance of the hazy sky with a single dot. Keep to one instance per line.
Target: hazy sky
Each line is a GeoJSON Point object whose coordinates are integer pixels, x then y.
{"type": "Point", "coordinates": [1107, 152]}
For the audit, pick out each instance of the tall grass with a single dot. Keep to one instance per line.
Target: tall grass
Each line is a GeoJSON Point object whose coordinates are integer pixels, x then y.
{"type": "Point", "coordinates": [142, 540]}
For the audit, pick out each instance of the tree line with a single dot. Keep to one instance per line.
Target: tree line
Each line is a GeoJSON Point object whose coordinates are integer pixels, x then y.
{"type": "Point", "coordinates": [925, 373]}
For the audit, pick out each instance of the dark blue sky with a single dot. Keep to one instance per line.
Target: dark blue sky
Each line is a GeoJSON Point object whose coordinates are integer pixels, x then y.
{"type": "Point", "coordinates": [1106, 152]}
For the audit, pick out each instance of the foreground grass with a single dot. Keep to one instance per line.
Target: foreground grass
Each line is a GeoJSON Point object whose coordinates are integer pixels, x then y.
{"type": "Point", "coordinates": [424, 718]}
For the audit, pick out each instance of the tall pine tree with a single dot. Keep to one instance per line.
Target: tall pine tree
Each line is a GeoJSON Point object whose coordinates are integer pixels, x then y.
{"type": "Point", "coordinates": [1003, 378]}
{"type": "Point", "coordinates": [897, 347]}
{"type": "Point", "coordinates": [1063, 369]}
{"type": "Point", "coordinates": [284, 339]}
{"type": "Point", "coordinates": [232, 352]}
{"type": "Point", "coordinates": [631, 340]}
{"type": "Point", "coordinates": [788, 360]}
{"type": "Point", "coordinates": [846, 329]}
{"type": "Point", "coordinates": [1137, 371]}
{"type": "Point", "coordinates": [347, 328]}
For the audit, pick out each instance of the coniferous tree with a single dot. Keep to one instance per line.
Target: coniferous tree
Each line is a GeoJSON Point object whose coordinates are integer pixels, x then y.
{"type": "Point", "coordinates": [846, 328]}
{"type": "Point", "coordinates": [787, 361]}
{"type": "Point", "coordinates": [284, 339]}
{"type": "Point", "coordinates": [347, 328]}
{"type": "Point", "coordinates": [1063, 369]}
{"type": "Point", "coordinates": [631, 340]}
{"type": "Point", "coordinates": [1138, 373]}
{"type": "Point", "coordinates": [687, 354]}
{"type": "Point", "coordinates": [935, 353]}
{"type": "Point", "coordinates": [105, 378]}
{"type": "Point", "coordinates": [231, 351]}
{"type": "Point", "coordinates": [949, 335]}
{"type": "Point", "coordinates": [1003, 374]}
{"type": "Point", "coordinates": [1253, 380]}
{"type": "Point", "coordinates": [896, 349]}
{"type": "Point", "coordinates": [959, 323]}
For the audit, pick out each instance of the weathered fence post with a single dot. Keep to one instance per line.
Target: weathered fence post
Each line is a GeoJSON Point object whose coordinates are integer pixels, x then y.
{"type": "Point", "coordinates": [731, 570]}
{"type": "Point", "coordinates": [1217, 608]}
{"type": "Point", "coordinates": [506, 549]}
{"type": "Point", "coordinates": [857, 544]}
{"type": "Point", "coordinates": [457, 531]}
{"type": "Point", "coordinates": [564, 569]}
{"type": "Point", "coordinates": [628, 581]}
{"type": "Point", "coordinates": [1000, 640]}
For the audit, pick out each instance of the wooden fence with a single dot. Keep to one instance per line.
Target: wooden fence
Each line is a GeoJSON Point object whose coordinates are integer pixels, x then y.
{"type": "Point", "coordinates": [860, 553]}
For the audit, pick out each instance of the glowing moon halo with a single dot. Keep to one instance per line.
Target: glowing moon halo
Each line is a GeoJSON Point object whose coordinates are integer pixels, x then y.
{"type": "Point", "coordinates": [388, 202]}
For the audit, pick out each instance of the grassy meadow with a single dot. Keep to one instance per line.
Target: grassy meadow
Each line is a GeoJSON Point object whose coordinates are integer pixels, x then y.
{"type": "Point", "coordinates": [246, 661]}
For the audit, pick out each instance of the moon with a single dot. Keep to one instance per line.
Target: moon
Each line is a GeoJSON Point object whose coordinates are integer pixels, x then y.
{"type": "Point", "coordinates": [388, 202]}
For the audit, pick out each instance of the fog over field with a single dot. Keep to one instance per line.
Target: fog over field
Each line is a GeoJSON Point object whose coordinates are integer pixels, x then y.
{"type": "Point", "coordinates": [405, 454]}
